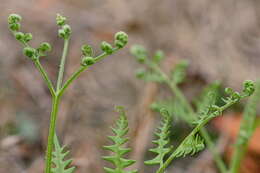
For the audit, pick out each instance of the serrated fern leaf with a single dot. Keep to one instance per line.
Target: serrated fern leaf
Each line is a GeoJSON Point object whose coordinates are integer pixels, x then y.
{"type": "Point", "coordinates": [119, 139]}
{"type": "Point", "coordinates": [162, 142]}
{"type": "Point", "coordinates": [191, 146]}
{"type": "Point", "coordinates": [59, 154]}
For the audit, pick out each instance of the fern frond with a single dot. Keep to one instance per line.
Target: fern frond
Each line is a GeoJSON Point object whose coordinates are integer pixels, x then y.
{"type": "Point", "coordinates": [59, 154]}
{"type": "Point", "coordinates": [163, 140]}
{"type": "Point", "coordinates": [191, 146]}
{"type": "Point", "coordinates": [178, 74]}
{"type": "Point", "coordinates": [185, 147]}
{"type": "Point", "coordinates": [117, 148]}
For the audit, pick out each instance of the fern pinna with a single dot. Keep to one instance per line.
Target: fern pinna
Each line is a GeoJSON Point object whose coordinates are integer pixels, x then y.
{"type": "Point", "coordinates": [162, 148]}
{"type": "Point", "coordinates": [119, 139]}
{"type": "Point", "coordinates": [59, 154]}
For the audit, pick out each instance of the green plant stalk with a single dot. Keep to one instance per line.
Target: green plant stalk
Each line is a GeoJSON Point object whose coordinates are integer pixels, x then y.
{"type": "Point", "coordinates": [62, 63]}
{"type": "Point", "coordinates": [56, 100]}
{"type": "Point", "coordinates": [194, 131]}
{"type": "Point", "coordinates": [246, 130]}
{"type": "Point", "coordinates": [54, 113]}
{"type": "Point", "coordinates": [55, 108]}
{"type": "Point", "coordinates": [219, 161]}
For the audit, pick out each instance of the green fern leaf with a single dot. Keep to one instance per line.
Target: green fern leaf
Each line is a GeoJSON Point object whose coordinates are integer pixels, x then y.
{"type": "Point", "coordinates": [117, 148]}
{"type": "Point", "coordinates": [59, 155]}
{"type": "Point", "coordinates": [178, 74]}
{"type": "Point", "coordinates": [191, 146]}
{"type": "Point", "coordinates": [161, 149]}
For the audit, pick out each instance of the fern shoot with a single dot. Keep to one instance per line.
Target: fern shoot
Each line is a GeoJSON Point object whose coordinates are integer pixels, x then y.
{"type": "Point", "coordinates": [118, 149]}
{"type": "Point", "coordinates": [162, 148]}
{"type": "Point", "coordinates": [60, 164]}
{"type": "Point", "coordinates": [36, 54]}
{"type": "Point", "coordinates": [193, 143]}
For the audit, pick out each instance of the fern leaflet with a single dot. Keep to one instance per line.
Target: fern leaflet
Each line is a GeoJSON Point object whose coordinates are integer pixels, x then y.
{"type": "Point", "coordinates": [59, 155]}
{"type": "Point", "coordinates": [163, 140]}
{"type": "Point", "coordinates": [117, 148]}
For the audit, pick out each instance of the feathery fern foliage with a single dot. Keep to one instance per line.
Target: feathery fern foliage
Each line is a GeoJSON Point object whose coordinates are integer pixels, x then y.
{"type": "Point", "coordinates": [117, 148]}
{"type": "Point", "coordinates": [178, 74]}
{"type": "Point", "coordinates": [59, 154]}
{"type": "Point", "coordinates": [162, 148]}
{"type": "Point", "coordinates": [191, 146]}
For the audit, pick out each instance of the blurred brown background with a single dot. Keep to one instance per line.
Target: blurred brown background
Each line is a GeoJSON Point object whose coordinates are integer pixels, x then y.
{"type": "Point", "coordinates": [220, 38]}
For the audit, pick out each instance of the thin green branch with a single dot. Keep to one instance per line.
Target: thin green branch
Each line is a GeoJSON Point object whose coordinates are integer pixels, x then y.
{"type": "Point", "coordinates": [54, 113]}
{"type": "Point", "coordinates": [62, 64]}
{"type": "Point", "coordinates": [246, 130]}
{"type": "Point", "coordinates": [76, 74]}
{"type": "Point", "coordinates": [45, 76]}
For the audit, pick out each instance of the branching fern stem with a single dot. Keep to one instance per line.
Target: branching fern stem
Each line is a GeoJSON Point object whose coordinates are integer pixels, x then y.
{"type": "Point", "coordinates": [76, 74]}
{"type": "Point", "coordinates": [219, 161]}
{"type": "Point", "coordinates": [121, 40]}
{"type": "Point", "coordinates": [246, 130]}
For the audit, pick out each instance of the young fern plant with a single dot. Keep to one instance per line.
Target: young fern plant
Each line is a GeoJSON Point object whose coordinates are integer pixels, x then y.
{"type": "Point", "coordinates": [191, 144]}
{"type": "Point", "coordinates": [35, 55]}
{"type": "Point", "coordinates": [179, 107]}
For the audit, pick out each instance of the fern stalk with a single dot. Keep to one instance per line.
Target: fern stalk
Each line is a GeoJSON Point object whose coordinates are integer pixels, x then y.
{"type": "Point", "coordinates": [34, 54]}
{"type": "Point", "coordinates": [246, 130]}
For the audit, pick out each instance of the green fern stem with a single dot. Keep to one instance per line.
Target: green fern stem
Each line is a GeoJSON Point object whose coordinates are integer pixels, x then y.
{"type": "Point", "coordinates": [54, 113]}
{"type": "Point", "coordinates": [219, 161]}
{"type": "Point", "coordinates": [246, 130]}
{"type": "Point", "coordinates": [62, 63]}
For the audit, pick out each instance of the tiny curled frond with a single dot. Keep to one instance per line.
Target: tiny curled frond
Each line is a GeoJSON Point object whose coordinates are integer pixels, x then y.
{"type": "Point", "coordinates": [59, 154]}
{"type": "Point", "coordinates": [232, 98]}
{"type": "Point", "coordinates": [24, 38]}
{"type": "Point", "coordinates": [162, 148]}
{"type": "Point", "coordinates": [88, 59]}
{"type": "Point", "coordinates": [65, 30]}
{"type": "Point", "coordinates": [119, 139]}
